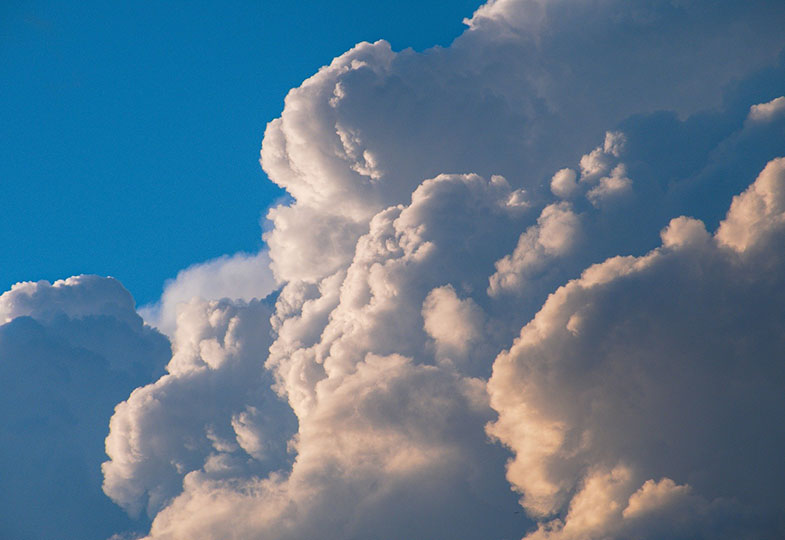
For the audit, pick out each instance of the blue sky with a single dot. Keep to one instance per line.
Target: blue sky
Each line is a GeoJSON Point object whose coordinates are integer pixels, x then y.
{"type": "Point", "coordinates": [131, 130]}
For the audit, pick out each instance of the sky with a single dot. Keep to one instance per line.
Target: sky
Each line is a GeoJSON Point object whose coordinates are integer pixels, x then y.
{"type": "Point", "coordinates": [523, 280]}
{"type": "Point", "coordinates": [131, 129]}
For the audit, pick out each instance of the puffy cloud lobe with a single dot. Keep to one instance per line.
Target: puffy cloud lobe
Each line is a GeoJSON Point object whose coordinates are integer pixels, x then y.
{"type": "Point", "coordinates": [240, 277]}
{"type": "Point", "coordinates": [765, 112]}
{"type": "Point", "coordinates": [610, 187]}
{"type": "Point", "coordinates": [627, 376]}
{"type": "Point", "coordinates": [212, 412]}
{"type": "Point", "coordinates": [625, 53]}
{"type": "Point", "coordinates": [68, 352]}
{"type": "Point", "coordinates": [376, 305]}
{"type": "Point", "coordinates": [76, 297]}
{"type": "Point", "coordinates": [602, 509]}
{"type": "Point", "coordinates": [563, 183]}
{"type": "Point", "coordinates": [599, 161]}
{"type": "Point", "coordinates": [555, 234]}
{"type": "Point", "coordinates": [758, 212]}
{"type": "Point", "coordinates": [454, 324]}
{"type": "Point", "coordinates": [377, 456]}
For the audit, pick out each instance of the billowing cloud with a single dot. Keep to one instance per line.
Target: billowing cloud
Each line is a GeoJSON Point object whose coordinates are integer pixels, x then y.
{"type": "Point", "coordinates": [69, 351]}
{"type": "Point", "coordinates": [405, 284]}
{"type": "Point", "coordinates": [214, 409]}
{"type": "Point", "coordinates": [530, 180]}
{"type": "Point", "coordinates": [525, 91]}
{"type": "Point", "coordinates": [626, 397]}
{"type": "Point", "coordinates": [390, 407]}
{"type": "Point", "coordinates": [239, 277]}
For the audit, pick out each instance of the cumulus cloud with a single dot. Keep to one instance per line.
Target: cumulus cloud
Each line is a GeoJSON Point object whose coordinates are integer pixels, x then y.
{"type": "Point", "coordinates": [764, 112]}
{"type": "Point", "coordinates": [454, 324]}
{"type": "Point", "coordinates": [68, 352]}
{"type": "Point", "coordinates": [531, 81]}
{"type": "Point", "coordinates": [240, 276]}
{"type": "Point", "coordinates": [634, 383]}
{"type": "Point", "coordinates": [401, 294]}
{"type": "Point", "coordinates": [438, 201]}
{"type": "Point", "coordinates": [390, 407]}
{"type": "Point", "coordinates": [563, 183]}
{"type": "Point", "coordinates": [555, 234]}
{"type": "Point", "coordinates": [213, 411]}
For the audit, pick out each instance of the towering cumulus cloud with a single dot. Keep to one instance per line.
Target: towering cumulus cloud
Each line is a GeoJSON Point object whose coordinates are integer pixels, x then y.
{"type": "Point", "coordinates": [493, 318]}
{"type": "Point", "coordinates": [439, 198]}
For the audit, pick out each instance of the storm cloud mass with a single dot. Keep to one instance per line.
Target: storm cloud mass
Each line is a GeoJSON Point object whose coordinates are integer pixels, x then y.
{"type": "Point", "coordinates": [531, 285]}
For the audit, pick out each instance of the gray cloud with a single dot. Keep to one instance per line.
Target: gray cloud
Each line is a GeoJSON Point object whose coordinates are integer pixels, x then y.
{"type": "Point", "coordinates": [68, 352]}
{"type": "Point", "coordinates": [628, 395]}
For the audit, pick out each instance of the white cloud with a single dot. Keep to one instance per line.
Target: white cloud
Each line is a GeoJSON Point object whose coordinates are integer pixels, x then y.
{"type": "Point", "coordinates": [758, 212]}
{"type": "Point", "coordinates": [398, 294]}
{"type": "Point", "coordinates": [555, 234]}
{"type": "Point", "coordinates": [529, 86]}
{"type": "Point", "coordinates": [765, 112]}
{"type": "Point", "coordinates": [422, 235]}
{"type": "Point", "coordinates": [380, 446]}
{"type": "Point", "coordinates": [645, 361]}
{"type": "Point", "coordinates": [379, 435]}
{"type": "Point", "coordinates": [75, 297]}
{"type": "Point", "coordinates": [610, 187]}
{"type": "Point", "coordinates": [239, 277]}
{"type": "Point", "coordinates": [563, 183]}
{"type": "Point", "coordinates": [213, 411]}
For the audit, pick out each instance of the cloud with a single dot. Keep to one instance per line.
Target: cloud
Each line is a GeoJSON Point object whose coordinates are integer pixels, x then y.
{"type": "Point", "coordinates": [405, 284]}
{"type": "Point", "coordinates": [612, 395]}
{"type": "Point", "coordinates": [385, 448]}
{"type": "Point", "coordinates": [527, 88]}
{"type": "Point", "coordinates": [557, 231]}
{"type": "Point", "coordinates": [213, 411]}
{"type": "Point", "coordinates": [68, 352]}
{"type": "Point", "coordinates": [454, 324]}
{"type": "Point", "coordinates": [440, 202]}
{"type": "Point", "coordinates": [240, 276]}
{"type": "Point", "coordinates": [380, 434]}
{"type": "Point", "coordinates": [563, 183]}
{"type": "Point", "coordinates": [764, 112]}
